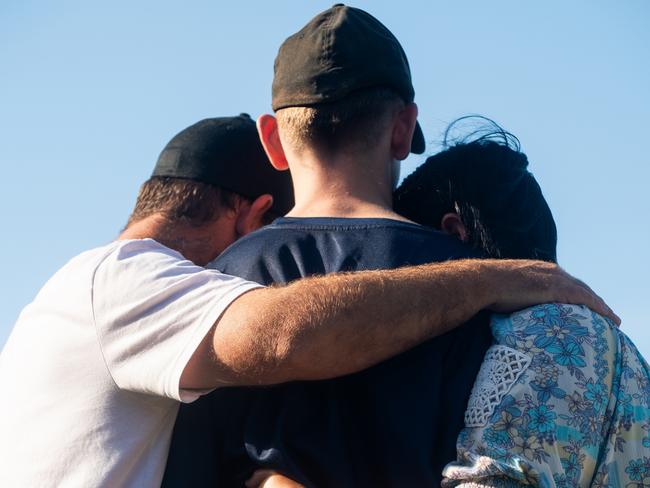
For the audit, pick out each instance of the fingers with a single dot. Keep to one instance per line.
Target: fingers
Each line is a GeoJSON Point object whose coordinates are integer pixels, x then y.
{"type": "Point", "coordinates": [595, 303]}
{"type": "Point", "coordinates": [603, 309]}
{"type": "Point", "coordinates": [579, 293]}
{"type": "Point", "coordinates": [533, 282]}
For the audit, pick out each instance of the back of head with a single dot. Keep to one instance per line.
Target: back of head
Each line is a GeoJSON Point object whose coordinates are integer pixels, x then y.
{"type": "Point", "coordinates": [352, 124]}
{"type": "Point", "coordinates": [484, 179]}
{"type": "Point", "coordinates": [338, 78]}
{"type": "Point", "coordinates": [206, 167]}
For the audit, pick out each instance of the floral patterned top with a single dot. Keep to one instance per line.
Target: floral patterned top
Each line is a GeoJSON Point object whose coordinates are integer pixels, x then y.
{"type": "Point", "coordinates": [562, 399]}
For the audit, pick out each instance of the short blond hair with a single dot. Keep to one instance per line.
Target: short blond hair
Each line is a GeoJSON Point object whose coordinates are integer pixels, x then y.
{"type": "Point", "coordinates": [357, 120]}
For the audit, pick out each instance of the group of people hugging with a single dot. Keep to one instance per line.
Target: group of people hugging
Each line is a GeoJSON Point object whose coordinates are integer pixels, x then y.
{"type": "Point", "coordinates": [553, 395]}
{"type": "Point", "coordinates": [281, 311]}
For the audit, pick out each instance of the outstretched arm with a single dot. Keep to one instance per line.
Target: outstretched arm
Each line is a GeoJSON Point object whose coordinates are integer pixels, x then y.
{"type": "Point", "coordinates": [329, 326]}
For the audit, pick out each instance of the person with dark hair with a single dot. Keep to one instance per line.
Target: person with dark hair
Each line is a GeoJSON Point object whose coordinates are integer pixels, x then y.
{"type": "Point", "coordinates": [344, 119]}
{"type": "Point", "coordinates": [480, 190]}
{"type": "Point", "coordinates": [563, 396]}
{"type": "Point", "coordinates": [214, 180]}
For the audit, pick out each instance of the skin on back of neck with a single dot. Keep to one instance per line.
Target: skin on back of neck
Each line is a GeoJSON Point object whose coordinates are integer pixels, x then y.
{"type": "Point", "coordinates": [199, 244]}
{"type": "Point", "coordinates": [355, 181]}
{"type": "Point", "coordinates": [341, 185]}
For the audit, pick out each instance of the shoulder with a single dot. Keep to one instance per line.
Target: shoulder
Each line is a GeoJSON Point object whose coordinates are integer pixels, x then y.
{"type": "Point", "coordinates": [140, 249]}
{"type": "Point", "coordinates": [252, 251]}
{"type": "Point", "coordinates": [550, 325]}
{"type": "Point", "coordinates": [78, 270]}
{"type": "Point", "coordinates": [142, 259]}
{"type": "Point", "coordinates": [566, 337]}
{"type": "Point", "coordinates": [571, 351]}
{"type": "Point", "coordinates": [289, 248]}
{"type": "Point", "coordinates": [437, 243]}
{"type": "Point", "coordinates": [134, 269]}
{"type": "Point", "coordinates": [264, 238]}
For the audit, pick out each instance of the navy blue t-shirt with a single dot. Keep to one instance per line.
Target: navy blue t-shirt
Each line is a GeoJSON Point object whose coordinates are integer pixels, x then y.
{"type": "Point", "coordinates": [394, 424]}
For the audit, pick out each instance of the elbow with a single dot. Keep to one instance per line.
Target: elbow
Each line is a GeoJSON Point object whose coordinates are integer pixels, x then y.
{"type": "Point", "coordinates": [257, 353]}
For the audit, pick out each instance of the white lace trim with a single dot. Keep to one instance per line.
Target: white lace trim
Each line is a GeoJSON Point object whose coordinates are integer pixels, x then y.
{"type": "Point", "coordinates": [501, 368]}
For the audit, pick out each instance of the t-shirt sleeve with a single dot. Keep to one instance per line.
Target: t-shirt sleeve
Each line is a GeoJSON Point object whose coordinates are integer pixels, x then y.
{"type": "Point", "coordinates": [152, 308]}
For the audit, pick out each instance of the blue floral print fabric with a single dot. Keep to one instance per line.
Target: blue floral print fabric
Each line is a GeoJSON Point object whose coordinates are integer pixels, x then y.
{"type": "Point", "coordinates": [578, 415]}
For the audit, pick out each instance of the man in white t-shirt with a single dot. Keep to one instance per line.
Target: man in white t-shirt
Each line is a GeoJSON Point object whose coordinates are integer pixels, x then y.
{"type": "Point", "coordinates": [95, 368]}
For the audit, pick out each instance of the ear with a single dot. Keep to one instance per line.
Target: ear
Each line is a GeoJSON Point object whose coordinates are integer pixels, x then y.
{"type": "Point", "coordinates": [403, 128]}
{"type": "Point", "coordinates": [251, 216]}
{"type": "Point", "coordinates": [267, 128]}
{"type": "Point", "coordinates": [452, 225]}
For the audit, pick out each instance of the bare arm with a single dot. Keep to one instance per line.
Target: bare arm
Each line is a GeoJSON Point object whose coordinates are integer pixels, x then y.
{"type": "Point", "coordinates": [324, 327]}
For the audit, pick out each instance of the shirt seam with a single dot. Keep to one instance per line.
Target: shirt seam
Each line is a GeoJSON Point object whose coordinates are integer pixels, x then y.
{"type": "Point", "coordinates": [209, 318]}
{"type": "Point", "coordinates": [92, 308]}
{"type": "Point", "coordinates": [330, 227]}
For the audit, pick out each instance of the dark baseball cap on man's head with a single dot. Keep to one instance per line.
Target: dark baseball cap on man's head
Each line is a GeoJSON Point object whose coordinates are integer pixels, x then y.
{"type": "Point", "coordinates": [341, 51]}
{"type": "Point", "coordinates": [226, 152]}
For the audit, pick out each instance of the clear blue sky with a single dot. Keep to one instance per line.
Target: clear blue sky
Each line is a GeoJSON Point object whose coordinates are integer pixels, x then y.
{"type": "Point", "coordinates": [91, 91]}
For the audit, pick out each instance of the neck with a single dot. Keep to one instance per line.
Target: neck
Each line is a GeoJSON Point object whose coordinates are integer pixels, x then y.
{"type": "Point", "coordinates": [342, 186]}
{"type": "Point", "coordinates": [195, 244]}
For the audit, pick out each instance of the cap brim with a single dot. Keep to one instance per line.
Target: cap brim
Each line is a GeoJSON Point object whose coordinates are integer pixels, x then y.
{"type": "Point", "coordinates": [417, 143]}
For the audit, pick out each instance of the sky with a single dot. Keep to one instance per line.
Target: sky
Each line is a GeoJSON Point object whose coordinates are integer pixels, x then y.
{"type": "Point", "coordinates": [90, 92]}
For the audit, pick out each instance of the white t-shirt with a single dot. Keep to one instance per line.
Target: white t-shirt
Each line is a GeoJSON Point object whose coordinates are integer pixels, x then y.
{"type": "Point", "coordinates": [90, 374]}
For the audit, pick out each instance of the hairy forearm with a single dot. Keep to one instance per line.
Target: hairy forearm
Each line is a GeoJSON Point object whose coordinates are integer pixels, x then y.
{"type": "Point", "coordinates": [338, 324]}
{"type": "Point", "coordinates": [330, 326]}
{"type": "Point", "coordinates": [333, 325]}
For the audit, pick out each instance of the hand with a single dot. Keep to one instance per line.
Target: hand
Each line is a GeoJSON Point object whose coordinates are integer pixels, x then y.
{"type": "Point", "coordinates": [266, 478]}
{"type": "Point", "coordinates": [524, 283]}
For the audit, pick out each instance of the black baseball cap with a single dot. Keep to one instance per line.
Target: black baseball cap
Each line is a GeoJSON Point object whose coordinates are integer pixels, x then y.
{"type": "Point", "coordinates": [226, 152]}
{"type": "Point", "coordinates": [340, 51]}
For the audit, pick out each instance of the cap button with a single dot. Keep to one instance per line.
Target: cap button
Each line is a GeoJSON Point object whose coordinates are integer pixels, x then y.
{"type": "Point", "coordinates": [245, 115]}
{"type": "Point", "coordinates": [338, 5]}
